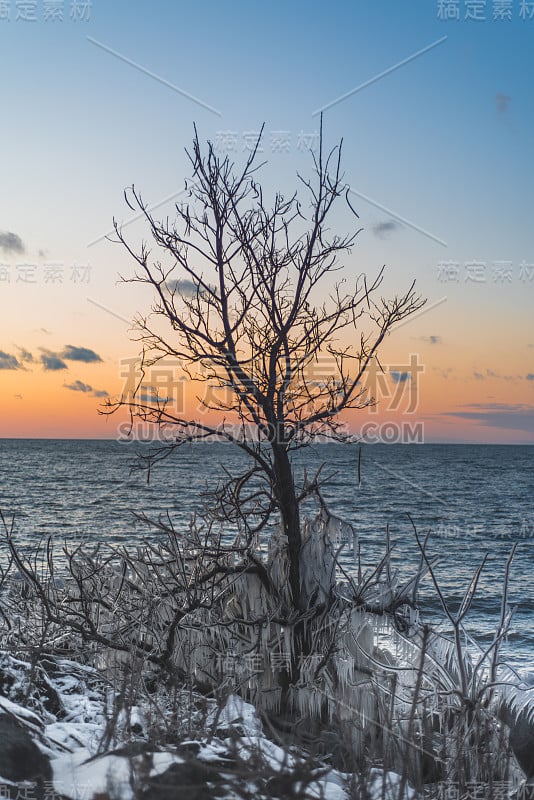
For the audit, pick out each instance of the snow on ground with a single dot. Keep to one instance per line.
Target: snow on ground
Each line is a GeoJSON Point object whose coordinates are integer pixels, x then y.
{"type": "Point", "coordinates": [72, 738]}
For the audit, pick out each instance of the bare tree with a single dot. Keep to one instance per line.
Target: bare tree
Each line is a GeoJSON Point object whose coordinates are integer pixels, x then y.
{"type": "Point", "coordinates": [240, 285]}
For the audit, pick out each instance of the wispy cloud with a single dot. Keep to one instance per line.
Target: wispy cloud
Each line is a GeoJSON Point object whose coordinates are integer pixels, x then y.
{"type": "Point", "coordinates": [383, 229]}
{"type": "Point", "coordinates": [398, 217]}
{"type": "Point", "coordinates": [72, 353]}
{"type": "Point", "coordinates": [400, 377]}
{"type": "Point", "coordinates": [85, 388]}
{"type": "Point", "coordinates": [444, 372]}
{"type": "Point", "coordinates": [11, 242]}
{"type": "Point", "coordinates": [185, 287]}
{"type": "Point", "coordinates": [502, 101]}
{"type": "Point", "coordinates": [149, 395]}
{"type": "Point", "coordinates": [25, 355]}
{"type": "Point", "coordinates": [9, 361]}
{"type": "Point", "coordinates": [508, 416]}
{"type": "Point", "coordinates": [52, 362]}
{"type": "Point", "coordinates": [498, 406]}
{"type": "Point", "coordinates": [431, 339]}
{"type": "Point", "coordinates": [78, 386]}
{"type": "Point", "coordinates": [491, 374]}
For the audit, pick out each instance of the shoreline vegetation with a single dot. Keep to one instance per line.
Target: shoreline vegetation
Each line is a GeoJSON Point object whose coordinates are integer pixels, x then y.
{"type": "Point", "coordinates": [164, 671]}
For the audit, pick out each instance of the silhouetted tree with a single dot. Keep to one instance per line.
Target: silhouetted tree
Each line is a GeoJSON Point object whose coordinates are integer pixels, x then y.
{"type": "Point", "coordinates": [241, 285]}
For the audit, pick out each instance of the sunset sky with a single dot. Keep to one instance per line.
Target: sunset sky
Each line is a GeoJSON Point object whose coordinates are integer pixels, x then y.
{"type": "Point", "coordinates": [436, 110]}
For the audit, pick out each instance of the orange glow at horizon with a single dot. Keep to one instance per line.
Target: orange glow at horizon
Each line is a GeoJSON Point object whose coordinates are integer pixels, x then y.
{"type": "Point", "coordinates": [421, 382]}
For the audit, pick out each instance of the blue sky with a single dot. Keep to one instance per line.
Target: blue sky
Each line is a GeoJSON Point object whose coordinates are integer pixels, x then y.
{"type": "Point", "coordinates": [443, 143]}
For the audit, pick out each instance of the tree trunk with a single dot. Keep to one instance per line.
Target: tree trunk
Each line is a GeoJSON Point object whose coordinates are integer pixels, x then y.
{"type": "Point", "coordinates": [284, 490]}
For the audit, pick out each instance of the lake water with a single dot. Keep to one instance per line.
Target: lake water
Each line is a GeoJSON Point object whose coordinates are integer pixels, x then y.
{"type": "Point", "coordinates": [475, 499]}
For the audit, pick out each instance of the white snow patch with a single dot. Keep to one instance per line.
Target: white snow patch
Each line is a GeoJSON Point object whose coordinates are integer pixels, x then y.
{"type": "Point", "coordinates": [162, 762]}
{"type": "Point", "coordinates": [20, 712]}
{"type": "Point", "coordinates": [386, 786]}
{"type": "Point", "coordinates": [73, 735]}
{"type": "Point", "coordinates": [80, 778]}
{"type": "Point", "coordinates": [237, 712]}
